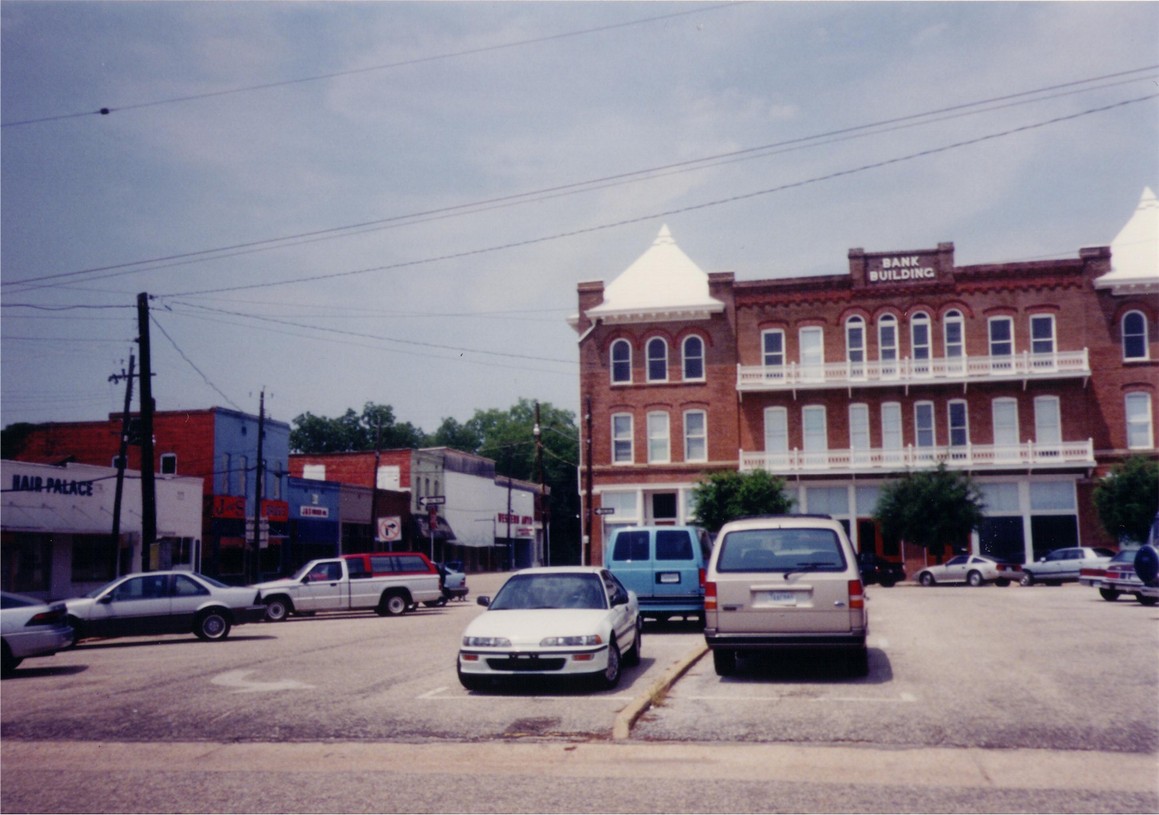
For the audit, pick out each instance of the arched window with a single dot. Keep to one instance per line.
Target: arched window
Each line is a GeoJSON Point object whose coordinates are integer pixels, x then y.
{"type": "Point", "coordinates": [887, 344]}
{"type": "Point", "coordinates": [657, 360]}
{"type": "Point", "coordinates": [855, 345]}
{"type": "Point", "coordinates": [693, 358]}
{"type": "Point", "coordinates": [919, 328]}
{"type": "Point", "coordinates": [955, 334]}
{"type": "Point", "coordinates": [621, 361]}
{"type": "Point", "coordinates": [1134, 335]}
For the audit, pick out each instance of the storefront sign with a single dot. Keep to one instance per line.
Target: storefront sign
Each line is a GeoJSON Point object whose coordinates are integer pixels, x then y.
{"type": "Point", "coordinates": [314, 512]}
{"type": "Point", "coordinates": [228, 506]}
{"type": "Point", "coordinates": [55, 486]}
{"type": "Point", "coordinates": [902, 269]}
{"type": "Point", "coordinates": [275, 511]}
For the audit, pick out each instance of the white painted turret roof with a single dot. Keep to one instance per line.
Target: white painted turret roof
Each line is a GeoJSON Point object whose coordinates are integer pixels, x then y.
{"type": "Point", "coordinates": [1135, 251]}
{"type": "Point", "coordinates": [663, 283]}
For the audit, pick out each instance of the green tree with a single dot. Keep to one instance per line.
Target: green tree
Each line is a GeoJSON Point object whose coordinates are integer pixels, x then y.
{"type": "Point", "coordinates": [374, 428]}
{"type": "Point", "coordinates": [724, 496]}
{"type": "Point", "coordinates": [930, 508]}
{"type": "Point", "coordinates": [1128, 498]}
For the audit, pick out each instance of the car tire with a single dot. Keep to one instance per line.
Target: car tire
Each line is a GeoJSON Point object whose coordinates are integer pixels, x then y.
{"type": "Point", "coordinates": [609, 677]}
{"type": "Point", "coordinates": [632, 658]}
{"type": "Point", "coordinates": [1145, 600]}
{"type": "Point", "coordinates": [1110, 595]}
{"type": "Point", "coordinates": [1027, 579]}
{"type": "Point", "coordinates": [888, 583]}
{"type": "Point", "coordinates": [8, 662]}
{"type": "Point", "coordinates": [77, 627]}
{"type": "Point", "coordinates": [1002, 581]}
{"type": "Point", "coordinates": [974, 578]}
{"type": "Point", "coordinates": [926, 579]}
{"type": "Point", "coordinates": [1147, 565]}
{"type": "Point", "coordinates": [277, 609]}
{"type": "Point", "coordinates": [212, 625]}
{"type": "Point", "coordinates": [392, 604]}
{"type": "Point", "coordinates": [724, 661]}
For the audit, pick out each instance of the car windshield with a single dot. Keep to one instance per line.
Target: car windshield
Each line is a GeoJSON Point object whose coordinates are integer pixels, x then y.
{"type": "Point", "coordinates": [1125, 556]}
{"type": "Point", "coordinates": [781, 550]}
{"type": "Point", "coordinates": [529, 591]}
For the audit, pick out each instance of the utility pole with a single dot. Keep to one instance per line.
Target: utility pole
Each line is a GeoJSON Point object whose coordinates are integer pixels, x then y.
{"type": "Point", "coordinates": [148, 476]}
{"type": "Point", "coordinates": [541, 498]}
{"type": "Point", "coordinates": [585, 547]}
{"type": "Point", "coordinates": [122, 456]}
{"type": "Point", "coordinates": [259, 477]}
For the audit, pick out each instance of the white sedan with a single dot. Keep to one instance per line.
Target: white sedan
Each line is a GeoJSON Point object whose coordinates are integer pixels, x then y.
{"type": "Point", "coordinates": [554, 621]}
{"type": "Point", "coordinates": [972, 569]}
{"type": "Point", "coordinates": [30, 628]}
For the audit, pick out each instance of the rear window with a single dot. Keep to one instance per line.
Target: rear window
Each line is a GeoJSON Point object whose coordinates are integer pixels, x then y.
{"type": "Point", "coordinates": [781, 550]}
{"type": "Point", "coordinates": [673, 545]}
{"type": "Point", "coordinates": [631, 545]}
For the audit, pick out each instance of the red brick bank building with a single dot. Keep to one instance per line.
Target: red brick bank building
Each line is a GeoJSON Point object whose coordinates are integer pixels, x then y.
{"type": "Point", "coordinates": [1034, 377]}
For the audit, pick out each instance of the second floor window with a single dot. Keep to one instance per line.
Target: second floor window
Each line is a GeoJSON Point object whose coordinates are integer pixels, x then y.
{"type": "Point", "coordinates": [1001, 337]}
{"type": "Point", "coordinates": [959, 427]}
{"type": "Point", "coordinates": [954, 334]}
{"type": "Point", "coordinates": [695, 436]}
{"type": "Point", "coordinates": [1047, 422]}
{"type": "Point", "coordinates": [1134, 335]}
{"type": "Point", "coordinates": [859, 427]}
{"type": "Point", "coordinates": [891, 426]}
{"type": "Point", "coordinates": [773, 348]}
{"type": "Point", "coordinates": [776, 430]}
{"type": "Point", "coordinates": [621, 361]}
{"type": "Point", "coordinates": [657, 360]}
{"type": "Point", "coordinates": [658, 447]}
{"type": "Point", "coordinates": [693, 358]}
{"type": "Point", "coordinates": [622, 438]}
{"type": "Point", "coordinates": [924, 424]}
{"type": "Point", "coordinates": [1139, 421]}
{"type": "Point", "coordinates": [1005, 414]}
{"type": "Point", "coordinates": [168, 464]}
{"type": "Point", "coordinates": [855, 344]}
{"type": "Point", "coordinates": [887, 343]}
{"type": "Point", "coordinates": [816, 436]}
{"type": "Point", "coordinates": [812, 352]}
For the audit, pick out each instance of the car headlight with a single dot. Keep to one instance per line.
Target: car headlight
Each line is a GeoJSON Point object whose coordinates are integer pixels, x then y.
{"type": "Point", "coordinates": [486, 642]}
{"type": "Point", "coordinates": [587, 639]}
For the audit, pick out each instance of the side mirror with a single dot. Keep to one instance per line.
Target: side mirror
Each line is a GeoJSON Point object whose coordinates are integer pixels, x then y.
{"type": "Point", "coordinates": [483, 600]}
{"type": "Point", "coordinates": [106, 599]}
{"type": "Point", "coordinates": [305, 580]}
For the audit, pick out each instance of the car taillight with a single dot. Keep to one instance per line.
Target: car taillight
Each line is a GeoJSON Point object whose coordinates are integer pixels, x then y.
{"type": "Point", "coordinates": [856, 594]}
{"type": "Point", "coordinates": [54, 616]}
{"type": "Point", "coordinates": [709, 596]}
{"type": "Point", "coordinates": [702, 573]}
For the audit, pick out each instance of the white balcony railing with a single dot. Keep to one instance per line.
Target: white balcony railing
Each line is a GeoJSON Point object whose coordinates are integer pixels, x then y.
{"type": "Point", "coordinates": [968, 457]}
{"type": "Point", "coordinates": [912, 371]}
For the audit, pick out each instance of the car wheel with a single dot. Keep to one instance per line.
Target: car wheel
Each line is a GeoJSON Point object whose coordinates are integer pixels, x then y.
{"type": "Point", "coordinates": [1145, 600]}
{"type": "Point", "coordinates": [888, 583]}
{"type": "Point", "coordinates": [1147, 565]}
{"type": "Point", "coordinates": [77, 626]}
{"type": "Point", "coordinates": [1110, 595]}
{"type": "Point", "coordinates": [609, 677]}
{"type": "Point", "coordinates": [724, 661]}
{"type": "Point", "coordinates": [212, 625]}
{"type": "Point", "coordinates": [632, 658]}
{"type": "Point", "coordinates": [392, 605]}
{"type": "Point", "coordinates": [1027, 579]}
{"type": "Point", "coordinates": [277, 609]}
{"type": "Point", "coordinates": [857, 662]}
{"type": "Point", "coordinates": [974, 579]}
{"type": "Point", "coordinates": [1002, 581]}
{"type": "Point", "coordinates": [926, 579]}
{"type": "Point", "coordinates": [8, 662]}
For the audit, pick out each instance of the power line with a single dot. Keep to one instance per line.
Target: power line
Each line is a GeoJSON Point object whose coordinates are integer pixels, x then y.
{"type": "Point", "coordinates": [546, 193]}
{"type": "Point", "coordinates": [191, 364]}
{"type": "Point", "coordinates": [670, 212]}
{"type": "Point", "coordinates": [105, 111]}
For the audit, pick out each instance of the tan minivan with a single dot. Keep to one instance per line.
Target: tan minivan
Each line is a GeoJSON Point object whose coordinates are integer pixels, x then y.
{"type": "Point", "coordinates": [786, 582]}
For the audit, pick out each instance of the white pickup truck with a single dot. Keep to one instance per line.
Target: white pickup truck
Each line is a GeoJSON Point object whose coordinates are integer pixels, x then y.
{"type": "Point", "coordinates": [329, 585]}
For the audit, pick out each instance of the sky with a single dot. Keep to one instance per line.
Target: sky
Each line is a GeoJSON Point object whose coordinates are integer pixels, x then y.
{"type": "Point", "coordinates": [337, 204]}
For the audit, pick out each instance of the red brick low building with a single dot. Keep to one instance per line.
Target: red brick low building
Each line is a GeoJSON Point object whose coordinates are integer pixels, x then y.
{"type": "Point", "coordinates": [1034, 377]}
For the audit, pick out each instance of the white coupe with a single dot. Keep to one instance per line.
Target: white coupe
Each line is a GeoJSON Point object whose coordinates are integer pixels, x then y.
{"type": "Point", "coordinates": [554, 621]}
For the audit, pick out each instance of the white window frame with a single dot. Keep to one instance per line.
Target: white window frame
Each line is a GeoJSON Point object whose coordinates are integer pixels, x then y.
{"type": "Point", "coordinates": [775, 358]}
{"type": "Point", "coordinates": [921, 347]}
{"type": "Point", "coordinates": [996, 344]}
{"type": "Point", "coordinates": [623, 441]}
{"type": "Point", "coordinates": [695, 438]}
{"type": "Point", "coordinates": [959, 431]}
{"type": "Point", "coordinates": [814, 438]}
{"type": "Point", "coordinates": [650, 359]}
{"type": "Point", "coordinates": [620, 343]}
{"type": "Point", "coordinates": [1137, 412]}
{"type": "Point", "coordinates": [1047, 420]}
{"type": "Point", "coordinates": [1141, 335]}
{"type": "Point", "coordinates": [855, 344]}
{"type": "Point", "coordinates": [924, 424]}
{"type": "Point", "coordinates": [1042, 345]}
{"type": "Point", "coordinates": [859, 427]}
{"type": "Point", "coordinates": [167, 464]}
{"type": "Point", "coordinates": [686, 357]}
{"type": "Point", "coordinates": [892, 437]}
{"type": "Point", "coordinates": [659, 437]}
{"type": "Point", "coordinates": [954, 348]}
{"type": "Point", "coordinates": [811, 339]}
{"type": "Point", "coordinates": [887, 344]}
{"type": "Point", "coordinates": [1005, 425]}
{"type": "Point", "coordinates": [776, 430]}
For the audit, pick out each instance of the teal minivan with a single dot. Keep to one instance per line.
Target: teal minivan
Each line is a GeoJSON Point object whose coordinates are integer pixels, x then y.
{"type": "Point", "coordinates": [664, 565]}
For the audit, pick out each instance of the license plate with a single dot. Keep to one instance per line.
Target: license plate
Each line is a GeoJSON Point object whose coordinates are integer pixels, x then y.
{"type": "Point", "coordinates": [669, 577]}
{"type": "Point", "coordinates": [787, 598]}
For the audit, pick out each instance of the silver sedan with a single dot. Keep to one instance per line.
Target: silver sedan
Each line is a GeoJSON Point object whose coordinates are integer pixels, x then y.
{"type": "Point", "coordinates": [971, 569]}
{"type": "Point", "coordinates": [30, 628]}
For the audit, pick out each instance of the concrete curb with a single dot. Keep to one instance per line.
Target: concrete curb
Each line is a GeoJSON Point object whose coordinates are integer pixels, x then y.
{"type": "Point", "coordinates": [622, 728]}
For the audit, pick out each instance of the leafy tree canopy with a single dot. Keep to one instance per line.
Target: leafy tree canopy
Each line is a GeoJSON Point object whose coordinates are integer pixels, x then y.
{"type": "Point", "coordinates": [374, 428]}
{"type": "Point", "coordinates": [1128, 498]}
{"type": "Point", "coordinates": [930, 508]}
{"type": "Point", "coordinates": [724, 496]}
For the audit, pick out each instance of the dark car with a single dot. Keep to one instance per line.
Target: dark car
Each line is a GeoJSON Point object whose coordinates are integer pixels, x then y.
{"type": "Point", "coordinates": [875, 569]}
